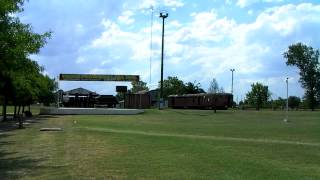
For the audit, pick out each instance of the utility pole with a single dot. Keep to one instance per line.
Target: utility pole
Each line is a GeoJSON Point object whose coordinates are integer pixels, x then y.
{"type": "Point", "coordinates": [163, 15]}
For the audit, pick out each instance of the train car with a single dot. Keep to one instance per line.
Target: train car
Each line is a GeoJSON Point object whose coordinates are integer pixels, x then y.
{"type": "Point", "coordinates": [108, 101]}
{"type": "Point", "coordinates": [137, 101]}
{"type": "Point", "coordinates": [201, 101]}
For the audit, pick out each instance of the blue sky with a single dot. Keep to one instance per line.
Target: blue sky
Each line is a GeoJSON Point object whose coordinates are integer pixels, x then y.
{"type": "Point", "coordinates": [203, 40]}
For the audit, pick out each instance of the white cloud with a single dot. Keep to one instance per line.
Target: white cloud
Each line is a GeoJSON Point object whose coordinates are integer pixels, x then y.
{"type": "Point", "coordinates": [126, 17]}
{"type": "Point", "coordinates": [80, 60]}
{"type": "Point", "coordinates": [113, 35]}
{"type": "Point", "coordinates": [105, 62]}
{"type": "Point", "coordinates": [146, 4]}
{"type": "Point", "coordinates": [79, 29]}
{"type": "Point", "coordinates": [206, 27]}
{"type": "Point", "coordinates": [253, 48]}
{"type": "Point", "coordinates": [245, 3]}
{"type": "Point", "coordinates": [208, 46]}
{"type": "Point", "coordinates": [97, 71]}
{"type": "Point", "coordinates": [228, 2]}
{"type": "Point", "coordinates": [173, 3]}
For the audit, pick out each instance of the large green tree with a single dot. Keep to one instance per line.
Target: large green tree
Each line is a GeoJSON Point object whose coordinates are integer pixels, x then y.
{"type": "Point", "coordinates": [30, 86]}
{"type": "Point", "coordinates": [193, 88]}
{"type": "Point", "coordinates": [258, 96]}
{"type": "Point", "coordinates": [47, 87]}
{"type": "Point", "coordinates": [175, 86]}
{"type": "Point", "coordinates": [172, 85]}
{"type": "Point", "coordinates": [138, 86]}
{"type": "Point", "coordinates": [214, 87]}
{"type": "Point", "coordinates": [278, 103]}
{"type": "Point", "coordinates": [307, 60]}
{"type": "Point", "coordinates": [17, 43]}
{"type": "Point", "coordinates": [294, 102]}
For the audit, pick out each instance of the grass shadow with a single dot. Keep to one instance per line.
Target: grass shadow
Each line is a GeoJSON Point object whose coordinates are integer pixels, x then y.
{"type": "Point", "coordinates": [16, 167]}
{"type": "Point", "coordinates": [12, 124]}
{"type": "Point", "coordinates": [44, 117]}
{"type": "Point", "coordinates": [197, 112]}
{"type": "Point", "coordinates": [15, 163]}
{"type": "Point", "coordinates": [13, 166]}
{"type": "Point", "coordinates": [8, 125]}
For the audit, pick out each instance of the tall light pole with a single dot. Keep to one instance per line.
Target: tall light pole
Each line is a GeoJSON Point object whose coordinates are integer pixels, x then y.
{"type": "Point", "coordinates": [163, 15]}
{"type": "Point", "coordinates": [287, 105]}
{"type": "Point", "coordinates": [58, 92]}
{"type": "Point", "coordinates": [232, 70]}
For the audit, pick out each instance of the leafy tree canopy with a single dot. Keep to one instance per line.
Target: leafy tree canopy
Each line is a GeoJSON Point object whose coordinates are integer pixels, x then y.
{"type": "Point", "coordinates": [193, 88]}
{"type": "Point", "coordinates": [258, 96]}
{"type": "Point", "coordinates": [20, 78]}
{"type": "Point", "coordinates": [279, 103]}
{"type": "Point", "coordinates": [214, 87]}
{"type": "Point", "coordinates": [173, 85]}
{"type": "Point", "coordinates": [307, 60]}
{"type": "Point", "coordinates": [138, 86]}
{"type": "Point", "coordinates": [294, 102]}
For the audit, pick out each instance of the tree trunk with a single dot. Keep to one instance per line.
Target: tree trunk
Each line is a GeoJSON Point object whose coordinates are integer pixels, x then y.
{"type": "Point", "coordinates": [29, 108]}
{"type": "Point", "coordinates": [19, 110]}
{"type": "Point", "coordinates": [4, 108]}
{"type": "Point", "coordinates": [215, 105]}
{"type": "Point", "coordinates": [15, 111]}
{"type": "Point", "coordinates": [312, 103]}
{"type": "Point", "coordinates": [20, 122]}
{"type": "Point", "coordinates": [22, 109]}
{"type": "Point", "coordinates": [258, 107]}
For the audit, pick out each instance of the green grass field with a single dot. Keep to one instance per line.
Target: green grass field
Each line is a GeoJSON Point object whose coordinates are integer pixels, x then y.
{"type": "Point", "coordinates": [168, 144]}
{"type": "Point", "coordinates": [35, 109]}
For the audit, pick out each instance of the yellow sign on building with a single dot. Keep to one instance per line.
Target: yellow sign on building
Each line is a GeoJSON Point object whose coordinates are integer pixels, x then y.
{"type": "Point", "coordinates": [97, 77]}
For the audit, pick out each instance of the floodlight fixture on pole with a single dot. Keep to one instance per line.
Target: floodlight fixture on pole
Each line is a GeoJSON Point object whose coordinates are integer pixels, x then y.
{"type": "Point", "coordinates": [163, 15]}
{"type": "Point", "coordinates": [232, 70]}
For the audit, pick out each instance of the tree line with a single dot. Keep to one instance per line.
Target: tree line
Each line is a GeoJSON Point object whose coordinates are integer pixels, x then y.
{"type": "Point", "coordinates": [294, 102]}
{"type": "Point", "coordinates": [304, 57]}
{"type": "Point", "coordinates": [175, 86]}
{"type": "Point", "coordinates": [171, 85]}
{"type": "Point", "coordinates": [22, 81]}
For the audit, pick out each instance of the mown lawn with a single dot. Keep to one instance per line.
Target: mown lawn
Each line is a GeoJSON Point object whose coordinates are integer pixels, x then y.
{"type": "Point", "coordinates": [168, 144]}
{"type": "Point", "coordinates": [35, 109]}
